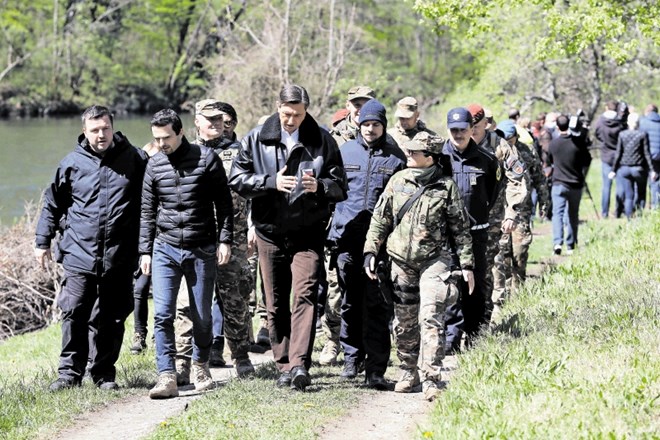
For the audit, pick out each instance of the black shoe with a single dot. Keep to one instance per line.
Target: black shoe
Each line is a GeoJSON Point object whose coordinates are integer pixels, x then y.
{"type": "Point", "coordinates": [300, 378]}
{"type": "Point", "coordinates": [108, 385]}
{"type": "Point", "coordinates": [451, 350]}
{"type": "Point", "coordinates": [284, 381]}
{"type": "Point", "coordinates": [63, 384]}
{"type": "Point", "coordinates": [376, 381]}
{"type": "Point", "coordinates": [350, 371]}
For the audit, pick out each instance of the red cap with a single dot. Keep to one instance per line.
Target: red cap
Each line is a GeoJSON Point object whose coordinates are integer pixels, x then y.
{"type": "Point", "coordinates": [339, 116]}
{"type": "Point", "coordinates": [477, 112]}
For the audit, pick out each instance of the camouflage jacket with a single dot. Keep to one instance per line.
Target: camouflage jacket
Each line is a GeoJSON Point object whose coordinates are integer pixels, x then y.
{"type": "Point", "coordinates": [515, 192]}
{"type": "Point", "coordinates": [536, 178]}
{"type": "Point", "coordinates": [426, 229]}
{"type": "Point", "coordinates": [227, 149]}
{"type": "Point", "coordinates": [402, 136]}
{"type": "Point", "coordinates": [344, 131]}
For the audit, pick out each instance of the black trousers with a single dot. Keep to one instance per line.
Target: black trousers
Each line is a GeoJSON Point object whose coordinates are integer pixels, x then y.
{"type": "Point", "coordinates": [471, 312]}
{"type": "Point", "coordinates": [141, 299]}
{"type": "Point", "coordinates": [365, 317]}
{"type": "Point", "coordinates": [94, 310]}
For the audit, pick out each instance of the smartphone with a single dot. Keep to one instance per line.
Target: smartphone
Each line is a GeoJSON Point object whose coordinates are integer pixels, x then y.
{"type": "Point", "coordinates": [308, 172]}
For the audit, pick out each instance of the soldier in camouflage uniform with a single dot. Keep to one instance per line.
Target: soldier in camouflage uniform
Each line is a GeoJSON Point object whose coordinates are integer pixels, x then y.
{"type": "Point", "coordinates": [408, 124]}
{"type": "Point", "coordinates": [422, 260]}
{"type": "Point", "coordinates": [234, 280]}
{"type": "Point", "coordinates": [343, 131]}
{"type": "Point", "coordinates": [511, 261]}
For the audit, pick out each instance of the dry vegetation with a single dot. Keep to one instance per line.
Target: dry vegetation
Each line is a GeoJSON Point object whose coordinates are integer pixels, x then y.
{"type": "Point", "coordinates": [27, 293]}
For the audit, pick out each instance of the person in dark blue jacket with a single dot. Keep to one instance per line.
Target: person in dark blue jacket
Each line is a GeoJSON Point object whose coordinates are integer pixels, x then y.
{"type": "Point", "coordinates": [94, 200]}
{"type": "Point", "coordinates": [650, 124]}
{"type": "Point", "coordinates": [370, 160]}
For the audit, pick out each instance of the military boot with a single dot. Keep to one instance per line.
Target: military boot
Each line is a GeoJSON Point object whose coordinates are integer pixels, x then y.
{"type": "Point", "coordinates": [201, 376]}
{"type": "Point", "coordinates": [408, 380]}
{"type": "Point", "coordinates": [263, 336]}
{"type": "Point", "coordinates": [430, 389]}
{"type": "Point", "coordinates": [183, 372]}
{"type": "Point", "coordinates": [165, 387]}
{"type": "Point", "coordinates": [217, 353]}
{"type": "Point", "coordinates": [139, 343]}
{"type": "Point", "coordinates": [329, 353]}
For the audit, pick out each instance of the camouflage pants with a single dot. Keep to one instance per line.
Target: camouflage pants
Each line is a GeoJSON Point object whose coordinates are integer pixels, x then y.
{"type": "Point", "coordinates": [510, 268]}
{"type": "Point", "coordinates": [419, 325]}
{"type": "Point", "coordinates": [492, 250]}
{"type": "Point", "coordinates": [331, 319]}
{"type": "Point", "coordinates": [233, 284]}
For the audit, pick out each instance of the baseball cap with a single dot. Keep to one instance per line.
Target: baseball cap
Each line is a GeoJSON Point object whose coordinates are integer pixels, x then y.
{"type": "Point", "coordinates": [361, 92]}
{"type": "Point", "coordinates": [424, 141]}
{"type": "Point", "coordinates": [477, 112]}
{"type": "Point", "coordinates": [507, 128]}
{"type": "Point", "coordinates": [406, 107]}
{"type": "Point", "coordinates": [459, 117]}
{"type": "Point", "coordinates": [209, 108]}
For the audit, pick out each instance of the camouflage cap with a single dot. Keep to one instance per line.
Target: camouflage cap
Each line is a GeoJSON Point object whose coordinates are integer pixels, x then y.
{"type": "Point", "coordinates": [361, 92]}
{"type": "Point", "coordinates": [209, 108]}
{"type": "Point", "coordinates": [406, 107]}
{"type": "Point", "coordinates": [424, 141]}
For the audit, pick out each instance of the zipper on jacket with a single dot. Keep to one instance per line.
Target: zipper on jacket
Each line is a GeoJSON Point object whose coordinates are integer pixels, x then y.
{"type": "Point", "coordinates": [366, 186]}
{"type": "Point", "coordinates": [177, 181]}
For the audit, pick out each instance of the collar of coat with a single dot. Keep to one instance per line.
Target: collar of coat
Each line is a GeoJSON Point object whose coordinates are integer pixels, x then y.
{"type": "Point", "coordinates": [309, 132]}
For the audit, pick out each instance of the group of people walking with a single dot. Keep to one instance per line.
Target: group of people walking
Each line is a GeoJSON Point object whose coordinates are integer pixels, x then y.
{"type": "Point", "coordinates": [397, 231]}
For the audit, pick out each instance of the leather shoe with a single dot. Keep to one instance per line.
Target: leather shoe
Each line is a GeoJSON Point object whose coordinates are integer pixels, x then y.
{"type": "Point", "coordinates": [350, 371]}
{"type": "Point", "coordinates": [284, 381]}
{"type": "Point", "coordinates": [300, 378]}
{"type": "Point", "coordinates": [63, 384]}
{"type": "Point", "coordinates": [376, 381]}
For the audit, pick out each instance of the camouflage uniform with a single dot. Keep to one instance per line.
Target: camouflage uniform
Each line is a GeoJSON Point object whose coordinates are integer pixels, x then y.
{"type": "Point", "coordinates": [511, 200]}
{"type": "Point", "coordinates": [421, 263]}
{"type": "Point", "coordinates": [234, 280]}
{"type": "Point", "coordinates": [511, 261]}
{"type": "Point", "coordinates": [402, 136]}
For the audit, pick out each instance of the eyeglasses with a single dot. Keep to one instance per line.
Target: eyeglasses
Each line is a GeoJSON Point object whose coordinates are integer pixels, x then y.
{"type": "Point", "coordinates": [227, 123]}
{"type": "Point", "coordinates": [413, 152]}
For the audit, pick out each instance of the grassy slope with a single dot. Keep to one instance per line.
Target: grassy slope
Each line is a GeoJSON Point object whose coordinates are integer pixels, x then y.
{"type": "Point", "coordinates": [577, 353]}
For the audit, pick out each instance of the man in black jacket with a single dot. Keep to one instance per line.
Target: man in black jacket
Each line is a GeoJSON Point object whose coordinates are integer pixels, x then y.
{"type": "Point", "coordinates": [292, 172]}
{"type": "Point", "coordinates": [608, 127]}
{"type": "Point", "coordinates": [94, 201]}
{"type": "Point", "coordinates": [568, 158]}
{"type": "Point", "coordinates": [186, 226]}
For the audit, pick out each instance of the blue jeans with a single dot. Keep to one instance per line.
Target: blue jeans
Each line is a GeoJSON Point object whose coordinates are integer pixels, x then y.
{"type": "Point", "coordinates": [632, 184]}
{"type": "Point", "coordinates": [607, 189]}
{"type": "Point", "coordinates": [655, 193]}
{"type": "Point", "coordinates": [563, 199]}
{"type": "Point", "coordinates": [197, 265]}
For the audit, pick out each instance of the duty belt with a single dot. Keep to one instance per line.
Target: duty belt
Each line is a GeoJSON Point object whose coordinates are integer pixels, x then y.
{"type": "Point", "coordinates": [479, 227]}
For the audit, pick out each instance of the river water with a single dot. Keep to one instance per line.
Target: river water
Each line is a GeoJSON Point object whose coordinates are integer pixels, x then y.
{"type": "Point", "coordinates": [32, 148]}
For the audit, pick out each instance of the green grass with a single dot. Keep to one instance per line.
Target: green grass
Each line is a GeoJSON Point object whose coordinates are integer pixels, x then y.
{"type": "Point", "coordinates": [577, 352]}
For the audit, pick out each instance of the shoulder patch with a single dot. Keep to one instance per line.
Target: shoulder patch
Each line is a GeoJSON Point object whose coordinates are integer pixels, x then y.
{"type": "Point", "coordinates": [349, 167]}
{"type": "Point", "coordinates": [498, 174]}
{"type": "Point", "coordinates": [386, 170]}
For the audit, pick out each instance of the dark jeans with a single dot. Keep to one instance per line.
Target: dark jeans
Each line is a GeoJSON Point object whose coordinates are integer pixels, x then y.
{"type": "Point", "coordinates": [169, 265]}
{"type": "Point", "coordinates": [365, 316]}
{"type": "Point", "coordinates": [94, 310]}
{"type": "Point", "coordinates": [471, 312]}
{"type": "Point", "coordinates": [141, 300]}
{"type": "Point", "coordinates": [291, 266]}
{"type": "Point", "coordinates": [631, 188]}
{"type": "Point", "coordinates": [565, 200]}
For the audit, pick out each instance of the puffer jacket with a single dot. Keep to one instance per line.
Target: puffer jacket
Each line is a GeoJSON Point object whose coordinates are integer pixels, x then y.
{"type": "Point", "coordinates": [632, 150]}
{"type": "Point", "coordinates": [185, 199]}
{"type": "Point", "coordinates": [254, 173]}
{"type": "Point", "coordinates": [426, 229]}
{"type": "Point", "coordinates": [651, 124]}
{"type": "Point", "coordinates": [368, 169]}
{"type": "Point", "coordinates": [95, 200]}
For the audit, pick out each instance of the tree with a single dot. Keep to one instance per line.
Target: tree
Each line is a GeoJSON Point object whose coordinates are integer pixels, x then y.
{"type": "Point", "coordinates": [566, 53]}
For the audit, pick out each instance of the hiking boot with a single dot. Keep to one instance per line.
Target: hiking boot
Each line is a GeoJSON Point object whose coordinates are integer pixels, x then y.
{"type": "Point", "coordinates": [139, 343]}
{"type": "Point", "coordinates": [407, 381]}
{"type": "Point", "coordinates": [216, 359]}
{"type": "Point", "coordinates": [557, 249]}
{"type": "Point", "coordinates": [376, 381]}
{"type": "Point", "coordinates": [201, 376]}
{"type": "Point", "coordinates": [431, 390]}
{"type": "Point", "coordinates": [165, 387]}
{"type": "Point", "coordinates": [63, 384]}
{"type": "Point", "coordinates": [350, 370]}
{"type": "Point", "coordinates": [329, 353]}
{"type": "Point", "coordinates": [263, 336]}
{"type": "Point", "coordinates": [244, 368]}
{"type": "Point", "coordinates": [182, 372]}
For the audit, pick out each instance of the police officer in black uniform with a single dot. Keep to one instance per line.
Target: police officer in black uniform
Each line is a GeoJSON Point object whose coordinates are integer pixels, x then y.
{"type": "Point", "coordinates": [479, 177]}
